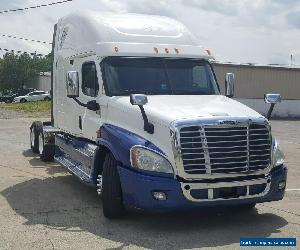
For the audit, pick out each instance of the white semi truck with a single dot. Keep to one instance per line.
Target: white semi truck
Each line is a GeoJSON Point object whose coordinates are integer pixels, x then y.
{"type": "Point", "coordinates": [138, 114]}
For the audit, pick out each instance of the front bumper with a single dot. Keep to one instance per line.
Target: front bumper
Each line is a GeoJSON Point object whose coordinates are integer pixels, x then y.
{"type": "Point", "coordinates": [138, 191]}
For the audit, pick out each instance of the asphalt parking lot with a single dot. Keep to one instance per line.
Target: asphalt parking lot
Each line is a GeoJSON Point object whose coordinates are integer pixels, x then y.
{"type": "Point", "coordinates": [44, 207]}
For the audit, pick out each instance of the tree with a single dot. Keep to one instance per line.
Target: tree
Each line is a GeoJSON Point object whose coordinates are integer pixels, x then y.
{"type": "Point", "coordinates": [18, 70]}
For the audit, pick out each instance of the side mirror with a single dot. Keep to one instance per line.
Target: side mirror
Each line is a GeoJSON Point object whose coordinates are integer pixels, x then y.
{"type": "Point", "coordinates": [138, 99]}
{"type": "Point", "coordinates": [272, 99]}
{"type": "Point", "coordinates": [72, 84]}
{"type": "Point", "coordinates": [141, 100]}
{"type": "Point", "coordinates": [229, 85]}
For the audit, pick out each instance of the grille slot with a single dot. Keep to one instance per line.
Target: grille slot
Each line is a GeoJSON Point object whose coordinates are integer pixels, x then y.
{"type": "Point", "coordinates": [232, 149]}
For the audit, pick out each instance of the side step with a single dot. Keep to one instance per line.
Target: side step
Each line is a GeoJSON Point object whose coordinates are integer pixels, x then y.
{"type": "Point", "coordinates": [77, 156]}
{"type": "Point", "coordinates": [73, 167]}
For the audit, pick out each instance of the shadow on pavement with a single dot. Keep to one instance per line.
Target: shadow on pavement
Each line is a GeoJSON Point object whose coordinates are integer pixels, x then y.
{"type": "Point", "coordinates": [50, 167]}
{"type": "Point", "coordinates": [63, 203]}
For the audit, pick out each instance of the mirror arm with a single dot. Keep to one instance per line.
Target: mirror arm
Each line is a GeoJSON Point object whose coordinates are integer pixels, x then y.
{"type": "Point", "coordinates": [79, 102]}
{"type": "Point", "coordinates": [270, 111]}
{"type": "Point", "coordinates": [91, 105]}
{"type": "Point", "coordinates": [148, 127]}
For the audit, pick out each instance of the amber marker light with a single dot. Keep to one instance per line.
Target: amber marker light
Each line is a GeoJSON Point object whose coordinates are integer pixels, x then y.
{"type": "Point", "coordinates": [134, 160]}
{"type": "Point", "coordinates": [208, 52]}
{"type": "Point", "coordinates": [98, 133]}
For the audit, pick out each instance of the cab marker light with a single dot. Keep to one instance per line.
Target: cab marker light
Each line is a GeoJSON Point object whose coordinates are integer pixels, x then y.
{"type": "Point", "coordinates": [167, 50]}
{"type": "Point", "coordinates": [208, 52]}
{"type": "Point", "coordinates": [98, 133]}
{"type": "Point", "coordinates": [176, 50]}
{"type": "Point", "coordinates": [156, 50]}
{"type": "Point", "coordinates": [116, 49]}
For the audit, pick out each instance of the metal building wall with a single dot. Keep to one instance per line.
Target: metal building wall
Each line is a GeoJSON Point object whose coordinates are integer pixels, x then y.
{"type": "Point", "coordinates": [41, 82]}
{"type": "Point", "coordinates": [254, 81]}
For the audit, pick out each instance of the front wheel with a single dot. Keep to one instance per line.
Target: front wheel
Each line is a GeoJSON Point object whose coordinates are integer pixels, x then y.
{"type": "Point", "coordinates": [111, 189]}
{"type": "Point", "coordinates": [23, 100]}
{"type": "Point", "coordinates": [246, 207]}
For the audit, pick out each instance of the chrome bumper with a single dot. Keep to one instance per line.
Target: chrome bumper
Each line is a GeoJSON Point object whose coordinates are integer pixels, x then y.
{"type": "Point", "coordinates": [188, 187]}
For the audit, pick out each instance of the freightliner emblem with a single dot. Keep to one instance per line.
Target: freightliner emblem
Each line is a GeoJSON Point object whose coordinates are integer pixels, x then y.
{"type": "Point", "coordinates": [228, 122]}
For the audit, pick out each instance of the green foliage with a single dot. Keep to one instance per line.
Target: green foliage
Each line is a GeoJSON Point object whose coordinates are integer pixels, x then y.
{"type": "Point", "coordinates": [17, 70]}
{"type": "Point", "coordinates": [28, 107]}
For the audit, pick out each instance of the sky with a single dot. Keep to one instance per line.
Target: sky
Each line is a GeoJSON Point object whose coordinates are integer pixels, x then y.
{"type": "Point", "coordinates": [239, 31]}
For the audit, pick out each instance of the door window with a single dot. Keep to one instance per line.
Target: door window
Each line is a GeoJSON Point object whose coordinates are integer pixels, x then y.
{"type": "Point", "coordinates": [90, 85]}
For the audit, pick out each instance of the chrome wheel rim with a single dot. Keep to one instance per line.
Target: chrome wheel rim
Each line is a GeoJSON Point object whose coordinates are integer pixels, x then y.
{"type": "Point", "coordinates": [32, 138]}
{"type": "Point", "coordinates": [41, 144]}
{"type": "Point", "coordinates": [99, 184]}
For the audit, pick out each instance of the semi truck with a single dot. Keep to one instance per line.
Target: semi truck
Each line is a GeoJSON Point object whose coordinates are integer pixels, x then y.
{"type": "Point", "coordinates": [138, 114]}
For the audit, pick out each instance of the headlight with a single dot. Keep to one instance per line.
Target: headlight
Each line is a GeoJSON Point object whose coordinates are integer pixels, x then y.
{"type": "Point", "coordinates": [147, 159]}
{"type": "Point", "coordinates": [278, 155]}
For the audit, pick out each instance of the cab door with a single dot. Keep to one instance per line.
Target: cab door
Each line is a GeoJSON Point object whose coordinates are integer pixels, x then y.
{"type": "Point", "coordinates": [89, 96]}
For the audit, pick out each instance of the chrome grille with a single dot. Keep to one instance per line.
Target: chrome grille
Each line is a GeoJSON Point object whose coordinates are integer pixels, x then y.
{"type": "Point", "coordinates": [225, 149]}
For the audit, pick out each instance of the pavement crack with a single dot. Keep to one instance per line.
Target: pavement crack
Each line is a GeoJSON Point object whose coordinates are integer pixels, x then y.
{"type": "Point", "coordinates": [22, 171]}
{"type": "Point", "coordinates": [78, 210]}
{"type": "Point", "coordinates": [281, 210]}
{"type": "Point", "coordinates": [51, 244]}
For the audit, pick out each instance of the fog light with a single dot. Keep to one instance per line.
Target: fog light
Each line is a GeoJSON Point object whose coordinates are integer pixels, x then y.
{"type": "Point", "coordinates": [281, 185]}
{"type": "Point", "coordinates": [161, 196]}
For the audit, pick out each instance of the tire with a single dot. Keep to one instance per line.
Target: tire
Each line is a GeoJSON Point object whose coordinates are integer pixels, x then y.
{"type": "Point", "coordinates": [246, 207]}
{"type": "Point", "coordinates": [46, 151]}
{"type": "Point", "coordinates": [23, 100]}
{"type": "Point", "coordinates": [35, 129]}
{"type": "Point", "coordinates": [47, 99]}
{"type": "Point", "coordinates": [111, 189]}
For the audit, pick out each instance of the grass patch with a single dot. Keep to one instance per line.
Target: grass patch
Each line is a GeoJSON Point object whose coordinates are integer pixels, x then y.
{"type": "Point", "coordinates": [28, 107]}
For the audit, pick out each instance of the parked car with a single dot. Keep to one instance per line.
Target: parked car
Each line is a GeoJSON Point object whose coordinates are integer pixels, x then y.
{"type": "Point", "coordinates": [10, 98]}
{"type": "Point", "coordinates": [34, 96]}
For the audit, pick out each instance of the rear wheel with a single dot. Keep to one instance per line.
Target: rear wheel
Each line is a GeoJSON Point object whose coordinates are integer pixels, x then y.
{"type": "Point", "coordinates": [47, 98]}
{"type": "Point", "coordinates": [46, 150]}
{"type": "Point", "coordinates": [35, 129]}
{"type": "Point", "coordinates": [111, 189]}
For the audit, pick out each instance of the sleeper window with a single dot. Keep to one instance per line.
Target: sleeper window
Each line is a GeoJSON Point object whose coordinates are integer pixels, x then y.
{"type": "Point", "coordinates": [90, 85]}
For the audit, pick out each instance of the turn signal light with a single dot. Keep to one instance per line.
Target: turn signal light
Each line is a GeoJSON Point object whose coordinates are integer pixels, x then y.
{"type": "Point", "coordinates": [98, 133]}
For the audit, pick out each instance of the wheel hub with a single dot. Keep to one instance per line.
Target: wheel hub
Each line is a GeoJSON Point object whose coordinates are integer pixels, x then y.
{"type": "Point", "coordinates": [99, 184]}
{"type": "Point", "coordinates": [32, 138]}
{"type": "Point", "coordinates": [41, 144]}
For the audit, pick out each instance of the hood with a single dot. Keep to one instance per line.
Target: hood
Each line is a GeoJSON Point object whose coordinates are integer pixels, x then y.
{"type": "Point", "coordinates": [168, 108]}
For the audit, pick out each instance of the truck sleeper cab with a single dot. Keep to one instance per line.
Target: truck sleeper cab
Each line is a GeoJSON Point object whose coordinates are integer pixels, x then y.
{"type": "Point", "coordinates": [138, 114]}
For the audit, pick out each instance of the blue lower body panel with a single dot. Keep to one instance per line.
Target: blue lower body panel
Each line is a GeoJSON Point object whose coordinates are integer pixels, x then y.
{"type": "Point", "coordinates": [138, 191]}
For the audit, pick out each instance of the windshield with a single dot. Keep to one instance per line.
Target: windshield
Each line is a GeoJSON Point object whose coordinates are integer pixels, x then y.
{"type": "Point", "coordinates": [158, 76]}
